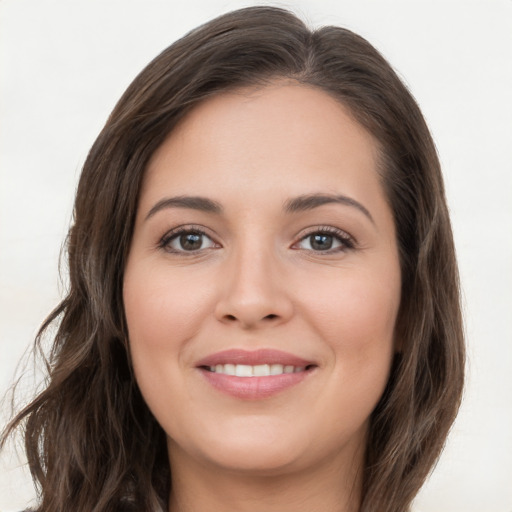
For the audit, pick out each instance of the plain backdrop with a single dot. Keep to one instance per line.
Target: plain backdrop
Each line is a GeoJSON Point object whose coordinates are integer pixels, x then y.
{"type": "Point", "coordinates": [65, 63]}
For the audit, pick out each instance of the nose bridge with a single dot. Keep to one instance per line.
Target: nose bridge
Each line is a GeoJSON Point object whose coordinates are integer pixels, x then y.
{"type": "Point", "coordinates": [254, 269]}
{"type": "Point", "coordinates": [253, 291]}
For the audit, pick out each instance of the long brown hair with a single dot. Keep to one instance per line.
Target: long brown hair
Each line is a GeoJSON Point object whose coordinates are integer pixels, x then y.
{"type": "Point", "coordinates": [92, 444]}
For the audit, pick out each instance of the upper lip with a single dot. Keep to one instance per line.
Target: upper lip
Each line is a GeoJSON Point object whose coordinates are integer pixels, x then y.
{"type": "Point", "coordinates": [254, 357]}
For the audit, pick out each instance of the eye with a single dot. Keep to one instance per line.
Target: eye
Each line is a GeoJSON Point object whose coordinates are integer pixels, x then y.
{"type": "Point", "coordinates": [325, 240]}
{"type": "Point", "coordinates": [186, 240]}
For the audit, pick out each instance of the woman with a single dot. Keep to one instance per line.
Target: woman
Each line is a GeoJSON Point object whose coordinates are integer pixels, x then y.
{"type": "Point", "coordinates": [263, 310]}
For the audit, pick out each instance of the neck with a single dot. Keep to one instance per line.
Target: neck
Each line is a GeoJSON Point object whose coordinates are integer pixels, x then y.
{"type": "Point", "coordinates": [333, 485]}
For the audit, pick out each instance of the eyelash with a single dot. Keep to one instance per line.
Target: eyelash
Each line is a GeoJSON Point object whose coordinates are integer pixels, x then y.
{"type": "Point", "coordinates": [346, 241]}
{"type": "Point", "coordinates": [175, 233]}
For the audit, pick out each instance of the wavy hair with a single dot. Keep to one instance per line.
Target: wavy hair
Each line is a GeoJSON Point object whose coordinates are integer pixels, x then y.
{"type": "Point", "coordinates": [91, 441]}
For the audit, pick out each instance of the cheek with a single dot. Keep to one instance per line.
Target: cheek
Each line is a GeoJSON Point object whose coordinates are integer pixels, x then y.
{"type": "Point", "coordinates": [355, 311]}
{"type": "Point", "coordinates": [162, 309]}
{"type": "Point", "coordinates": [355, 315]}
{"type": "Point", "coordinates": [164, 312]}
{"type": "Point", "coordinates": [356, 321]}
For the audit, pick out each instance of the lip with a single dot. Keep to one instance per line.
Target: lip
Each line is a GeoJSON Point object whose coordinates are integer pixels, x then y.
{"type": "Point", "coordinates": [254, 388]}
{"type": "Point", "coordinates": [254, 357]}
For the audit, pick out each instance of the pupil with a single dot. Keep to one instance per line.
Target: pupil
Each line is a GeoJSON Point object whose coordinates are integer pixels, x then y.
{"type": "Point", "coordinates": [321, 242]}
{"type": "Point", "coordinates": [191, 241]}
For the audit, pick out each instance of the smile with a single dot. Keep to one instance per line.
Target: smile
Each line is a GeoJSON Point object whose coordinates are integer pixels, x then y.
{"type": "Point", "coordinates": [259, 370]}
{"type": "Point", "coordinates": [254, 375]}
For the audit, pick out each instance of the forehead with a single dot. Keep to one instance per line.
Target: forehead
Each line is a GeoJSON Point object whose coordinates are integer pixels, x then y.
{"type": "Point", "coordinates": [283, 135]}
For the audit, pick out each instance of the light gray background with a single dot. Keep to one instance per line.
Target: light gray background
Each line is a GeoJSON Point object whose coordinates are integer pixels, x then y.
{"type": "Point", "coordinates": [65, 63]}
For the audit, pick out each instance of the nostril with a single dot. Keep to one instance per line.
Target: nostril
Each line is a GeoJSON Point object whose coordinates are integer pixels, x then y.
{"type": "Point", "coordinates": [249, 318]}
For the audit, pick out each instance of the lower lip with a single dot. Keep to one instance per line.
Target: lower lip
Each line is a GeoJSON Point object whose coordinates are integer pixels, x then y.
{"type": "Point", "coordinates": [253, 388]}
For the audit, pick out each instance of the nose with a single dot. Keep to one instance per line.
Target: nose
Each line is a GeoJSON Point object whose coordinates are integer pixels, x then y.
{"type": "Point", "coordinates": [254, 291]}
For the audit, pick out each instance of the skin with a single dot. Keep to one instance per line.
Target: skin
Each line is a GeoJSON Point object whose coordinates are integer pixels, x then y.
{"type": "Point", "coordinates": [258, 282]}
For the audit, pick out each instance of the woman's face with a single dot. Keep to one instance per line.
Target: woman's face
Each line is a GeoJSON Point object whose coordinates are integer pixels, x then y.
{"type": "Point", "coordinates": [264, 247]}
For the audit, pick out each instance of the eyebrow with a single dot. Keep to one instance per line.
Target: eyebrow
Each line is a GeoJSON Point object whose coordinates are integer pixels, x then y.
{"type": "Point", "coordinates": [310, 201]}
{"type": "Point", "coordinates": [297, 204]}
{"type": "Point", "coordinates": [192, 202]}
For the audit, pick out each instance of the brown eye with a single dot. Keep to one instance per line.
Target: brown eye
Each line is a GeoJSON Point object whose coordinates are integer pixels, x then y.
{"type": "Point", "coordinates": [326, 240]}
{"type": "Point", "coordinates": [187, 241]}
{"type": "Point", "coordinates": [320, 242]}
{"type": "Point", "coordinates": [191, 241]}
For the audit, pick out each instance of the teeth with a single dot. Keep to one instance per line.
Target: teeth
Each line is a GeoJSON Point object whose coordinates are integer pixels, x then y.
{"type": "Point", "coordinates": [276, 369]}
{"type": "Point", "coordinates": [243, 370]}
{"type": "Point", "coordinates": [229, 369]}
{"type": "Point", "coordinates": [259, 370]}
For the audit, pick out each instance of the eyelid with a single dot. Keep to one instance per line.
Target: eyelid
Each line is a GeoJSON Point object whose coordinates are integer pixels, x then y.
{"type": "Point", "coordinates": [183, 229]}
{"type": "Point", "coordinates": [347, 240]}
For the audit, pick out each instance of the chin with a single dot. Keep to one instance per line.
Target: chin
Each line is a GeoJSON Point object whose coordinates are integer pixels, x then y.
{"type": "Point", "coordinates": [256, 460]}
{"type": "Point", "coordinates": [252, 447]}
